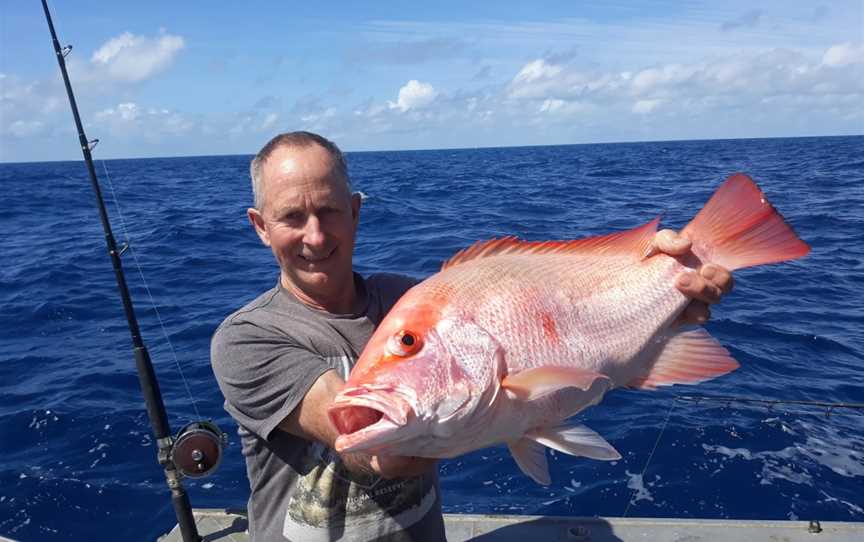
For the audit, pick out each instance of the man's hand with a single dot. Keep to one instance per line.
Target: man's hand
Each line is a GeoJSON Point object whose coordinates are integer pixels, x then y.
{"type": "Point", "coordinates": [705, 286]}
{"type": "Point", "coordinates": [393, 466]}
{"type": "Point", "coordinates": [309, 420]}
{"type": "Point", "coordinates": [389, 466]}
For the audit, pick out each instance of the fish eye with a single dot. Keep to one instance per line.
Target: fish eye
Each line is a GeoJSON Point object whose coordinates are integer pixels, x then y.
{"type": "Point", "coordinates": [404, 343]}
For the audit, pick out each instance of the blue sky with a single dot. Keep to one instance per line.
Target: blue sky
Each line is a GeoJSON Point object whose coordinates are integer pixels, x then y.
{"type": "Point", "coordinates": [198, 78]}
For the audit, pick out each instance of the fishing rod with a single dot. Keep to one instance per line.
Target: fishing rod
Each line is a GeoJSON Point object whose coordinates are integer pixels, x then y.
{"type": "Point", "coordinates": [196, 451]}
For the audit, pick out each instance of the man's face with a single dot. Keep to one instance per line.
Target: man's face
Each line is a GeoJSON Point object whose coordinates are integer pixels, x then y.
{"type": "Point", "coordinates": [308, 218]}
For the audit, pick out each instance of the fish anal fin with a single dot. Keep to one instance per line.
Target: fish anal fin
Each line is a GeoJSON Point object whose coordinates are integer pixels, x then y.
{"type": "Point", "coordinates": [534, 383]}
{"type": "Point", "coordinates": [636, 241]}
{"type": "Point", "coordinates": [688, 357]}
{"type": "Point", "coordinates": [531, 458]}
{"type": "Point", "coordinates": [576, 440]}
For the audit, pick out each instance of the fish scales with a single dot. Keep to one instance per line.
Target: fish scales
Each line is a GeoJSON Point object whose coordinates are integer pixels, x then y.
{"type": "Point", "coordinates": [575, 314]}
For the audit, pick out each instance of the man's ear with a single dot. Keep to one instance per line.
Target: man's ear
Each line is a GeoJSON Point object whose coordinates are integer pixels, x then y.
{"type": "Point", "coordinates": [356, 201]}
{"type": "Point", "coordinates": [258, 223]}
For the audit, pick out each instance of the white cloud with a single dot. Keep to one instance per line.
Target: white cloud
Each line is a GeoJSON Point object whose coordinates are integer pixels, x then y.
{"type": "Point", "coordinates": [370, 111]}
{"type": "Point", "coordinates": [124, 112]}
{"type": "Point", "coordinates": [132, 58]}
{"type": "Point", "coordinates": [650, 80]}
{"type": "Point", "coordinates": [843, 55]}
{"type": "Point", "coordinates": [562, 107]}
{"type": "Point", "coordinates": [538, 69]}
{"type": "Point", "coordinates": [252, 121]}
{"type": "Point", "coordinates": [541, 79]}
{"type": "Point", "coordinates": [313, 118]}
{"type": "Point", "coordinates": [414, 95]}
{"type": "Point", "coordinates": [128, 119]}
{"type": "Point", "coordinates": [25, 128]}
{"type": "Point", "coordinates": [26, 107]}
{"type": "Point", "coordinates": [269, 121]}
{"type": "Point", "coordinates": [744, 77]}
{"type": "Point", "coordinates": [643, 107]}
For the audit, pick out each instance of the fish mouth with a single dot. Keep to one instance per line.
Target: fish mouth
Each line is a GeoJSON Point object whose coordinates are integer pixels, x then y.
{"type": "Point", "coordinates": [368, 418]}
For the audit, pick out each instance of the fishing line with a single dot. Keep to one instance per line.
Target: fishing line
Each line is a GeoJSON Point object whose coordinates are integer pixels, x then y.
{"type": "Point", "coordinates": [128, 245]}
{"type": "Point", "coordinates": [769, 404]}
{"type": "Point", "coordinates": [651, 455]}
{"type": "Point", "coordinates": [196, 450]}
{"type": "Point", "coordinates": [829, 407]}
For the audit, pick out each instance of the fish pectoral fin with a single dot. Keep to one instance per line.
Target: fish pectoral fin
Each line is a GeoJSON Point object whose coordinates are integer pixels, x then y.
{"type": "Point", "coordinates": [574, 440]}
{"type": "Point", "coordinates": [531, 458]}
{"type": "Point", "coordinates": [688, 357]}
{"type": "Point", "coordinates": [535, 383]}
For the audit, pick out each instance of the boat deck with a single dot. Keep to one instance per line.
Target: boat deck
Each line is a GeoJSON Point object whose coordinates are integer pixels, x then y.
{"type": "Point", "coordinates": [230, 525]}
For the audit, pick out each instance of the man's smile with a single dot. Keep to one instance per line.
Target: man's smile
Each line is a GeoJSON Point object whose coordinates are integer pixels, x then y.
{"type": "Point", "coordinates": [316, 258]}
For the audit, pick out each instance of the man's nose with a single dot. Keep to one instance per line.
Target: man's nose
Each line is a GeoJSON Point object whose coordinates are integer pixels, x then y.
{"type": "Point", "coordinates": [313, 235]}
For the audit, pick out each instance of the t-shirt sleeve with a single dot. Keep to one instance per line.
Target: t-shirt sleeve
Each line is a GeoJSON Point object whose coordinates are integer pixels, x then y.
{"type": "Point", "coordinates": [262, 373]}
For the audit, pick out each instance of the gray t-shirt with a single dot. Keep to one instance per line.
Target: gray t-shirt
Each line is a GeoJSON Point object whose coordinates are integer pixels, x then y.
{"type": "Point", "coordinates": [266, 356]}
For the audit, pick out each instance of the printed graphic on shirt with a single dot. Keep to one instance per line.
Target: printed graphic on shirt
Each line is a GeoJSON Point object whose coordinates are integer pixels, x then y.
{"type": "Point", "coordinates": [327, 493]}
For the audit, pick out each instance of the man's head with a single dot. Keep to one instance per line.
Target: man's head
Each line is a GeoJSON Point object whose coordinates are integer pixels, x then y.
{"type": "Point", "coordinates": [305, 212]}
{"type": "Point", "coordinates": [293, 139]}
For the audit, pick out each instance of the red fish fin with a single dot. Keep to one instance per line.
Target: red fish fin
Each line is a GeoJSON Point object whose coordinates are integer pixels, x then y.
{"type": "Point", "coordinates": [636, 241]}
{"type": "Point", "coordinates": [738, 228]}
{"type": "Point", "coordinates": [575, 440]}
{"type": "Point", "coordinates": [531, 458]}
{"type": "Point", "coordinates": [688, 357]}
{"type": "Point", "coordinates": [535, 383]}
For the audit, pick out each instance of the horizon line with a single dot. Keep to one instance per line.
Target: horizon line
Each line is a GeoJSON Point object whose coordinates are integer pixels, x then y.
{"type": "Point", "coordinates": [483, 147]}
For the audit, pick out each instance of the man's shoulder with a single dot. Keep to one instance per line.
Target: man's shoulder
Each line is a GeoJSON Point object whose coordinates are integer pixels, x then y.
{"type": "Point", "coordinates": [265, 302]}
{"type": "Point", "coordinates": [390, 283]}
{"type": "Point", "coordinates": [385, 289]}
{"type": "Point", "coordinates": [264, 315]}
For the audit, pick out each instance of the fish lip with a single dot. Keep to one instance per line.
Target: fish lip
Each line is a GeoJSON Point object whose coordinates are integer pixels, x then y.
{"type": "Point", "coordinates": [395, 409]}
{"type": "Point", "coordinates": [391, 402]}
{"type": "Point", "coordinates": [370, 438]}
{"type": "Point", "coordinates": [388, 409]}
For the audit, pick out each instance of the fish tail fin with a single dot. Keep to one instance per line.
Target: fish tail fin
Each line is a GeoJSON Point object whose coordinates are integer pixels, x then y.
{"type": "Point", "coordinates": [738, 228]}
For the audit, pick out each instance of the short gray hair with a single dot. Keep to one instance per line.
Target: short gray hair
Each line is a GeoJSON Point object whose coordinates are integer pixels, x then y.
{"type": "Point", "coordinates": [298, 139]}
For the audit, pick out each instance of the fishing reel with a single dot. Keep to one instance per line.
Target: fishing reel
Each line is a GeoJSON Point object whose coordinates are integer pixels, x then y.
{"type": "Point", "coordinates": [197, 449]}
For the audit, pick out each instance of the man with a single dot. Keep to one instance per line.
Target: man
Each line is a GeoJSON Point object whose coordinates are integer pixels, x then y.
{"type": "Point", "coordinates": [281, 359]}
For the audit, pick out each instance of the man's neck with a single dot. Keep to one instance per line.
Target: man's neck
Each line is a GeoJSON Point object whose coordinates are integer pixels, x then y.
{"type": "Point", "coordinates": [344, 303]}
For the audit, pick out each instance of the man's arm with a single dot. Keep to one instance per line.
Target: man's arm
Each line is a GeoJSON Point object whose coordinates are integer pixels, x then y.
{"type": "Point", "coordinates": [705, 286]}
{"type": "Point", "coordinates": [309, 420]}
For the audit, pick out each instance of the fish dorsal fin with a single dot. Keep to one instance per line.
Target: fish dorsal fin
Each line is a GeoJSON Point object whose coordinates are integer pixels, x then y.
{"type": "Point", "coordinates": [636, 242]}
{"type": "Point", "coordinates": [688, 357]}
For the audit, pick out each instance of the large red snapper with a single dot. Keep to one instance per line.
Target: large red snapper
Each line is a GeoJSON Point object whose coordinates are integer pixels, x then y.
{"type": "Point", "coordinates": [511, 338]}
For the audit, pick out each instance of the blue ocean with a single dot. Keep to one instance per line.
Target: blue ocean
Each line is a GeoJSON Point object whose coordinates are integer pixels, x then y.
{"type": "Point", "coordinates": [77, 458]}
